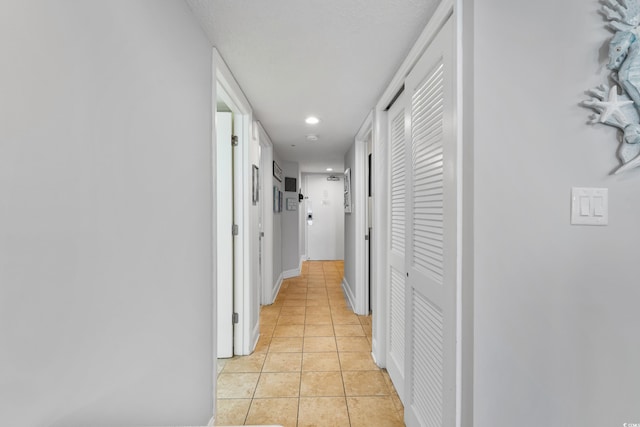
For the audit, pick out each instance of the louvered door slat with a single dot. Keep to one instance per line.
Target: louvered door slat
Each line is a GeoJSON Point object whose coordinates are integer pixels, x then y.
{"type": "Point", "coordinates": [428, 114]}
{"type": "Point", "coordinates": [427, 380]}
{"type": "Point", "coordinates": [398, 184]}
{"type": "Point", "coordinates": [426, 109]}
{"type": "Point", "coordinates": [396, 308]}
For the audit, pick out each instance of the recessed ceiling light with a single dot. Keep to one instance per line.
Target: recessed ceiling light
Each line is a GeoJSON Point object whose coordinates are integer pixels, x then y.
{"type": "Point", "coordinates": [312, 137]}
{"type": "Point", "coordinates": [329, 169]}
{"type": "Point", "coordinates": [312, 120]}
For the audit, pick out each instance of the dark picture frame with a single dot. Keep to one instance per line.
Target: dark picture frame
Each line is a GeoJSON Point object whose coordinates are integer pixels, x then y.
{"type": "Point", "coordinates": [290, 184]}
{"type": "Point", "coordinates": [277, 171]}
{"type": "Point", "coordinates": [275, 199]}
{"type": "Point", "coordinates": [347, 190]}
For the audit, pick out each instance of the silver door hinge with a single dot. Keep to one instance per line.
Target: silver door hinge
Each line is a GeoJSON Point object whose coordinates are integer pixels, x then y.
{"type": "Point", "coordinates": [234, 230]}
{"type": "Point", "coordinates": [234, 140]}
{"type": "Point", "coordinates": [235, 317]}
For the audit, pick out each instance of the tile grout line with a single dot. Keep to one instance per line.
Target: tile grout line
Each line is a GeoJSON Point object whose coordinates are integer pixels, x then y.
{"type": "Point", "coordinates": [327, 297]}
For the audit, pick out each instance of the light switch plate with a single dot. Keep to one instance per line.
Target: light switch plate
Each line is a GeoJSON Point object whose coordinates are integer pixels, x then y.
{"type": "Point", "coordinates": [589, 206]}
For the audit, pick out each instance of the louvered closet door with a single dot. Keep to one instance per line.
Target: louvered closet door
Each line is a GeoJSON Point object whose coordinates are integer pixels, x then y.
{"type": "Point", "coordinates": [431, 249]}
{"type": "Point", "coordinates": [397, 223]}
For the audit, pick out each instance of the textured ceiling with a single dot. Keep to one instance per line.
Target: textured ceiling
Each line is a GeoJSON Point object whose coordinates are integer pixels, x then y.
{"type": "Point", "coordinates": [328, 58]}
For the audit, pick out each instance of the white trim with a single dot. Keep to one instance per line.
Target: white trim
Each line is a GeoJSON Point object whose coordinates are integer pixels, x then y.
{"type": "Point", "coordinates": [242, 267]}
{"type": "Point", "coordinates": [347, 291]}
{"type": "Point", "coordinates": [463, 14]}
{"type": "Point", "coordinates": [212, 422]}
{"type": "Point", "coordinates": [380, 318]}
{"type": "Point", "coordinates": [255, 335]}
{"type": "Point", "coordinates": [225, 77]}
{"type": "Point", "coordinates": [214, 247]}
{"type": "Point", "coordinates": [373, 353]}
{"type": "Point", "coordinates": [361, 300]}
{"type": "Point", "coordinates": [266, 157]}
{"type": "Point", "coordinates": [295, 272]}
{"type": "Point", "coordinates": [287, 274]}
{"type": "Point", "coordinates": [276, 289]}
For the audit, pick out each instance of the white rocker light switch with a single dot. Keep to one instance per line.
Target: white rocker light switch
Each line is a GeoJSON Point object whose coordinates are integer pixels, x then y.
{"type": "Point", "coordinates": [589, 206]}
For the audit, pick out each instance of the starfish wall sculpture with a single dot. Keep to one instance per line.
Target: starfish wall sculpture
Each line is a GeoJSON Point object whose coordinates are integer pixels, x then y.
{"type": "Point", "coordinates": [621, 110]}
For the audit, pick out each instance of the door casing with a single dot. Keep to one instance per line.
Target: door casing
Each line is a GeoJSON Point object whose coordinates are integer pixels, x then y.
{"type": "Point", "coordinates": [361, 303]}
{"type": "Point", "coordinates": [245, 333]}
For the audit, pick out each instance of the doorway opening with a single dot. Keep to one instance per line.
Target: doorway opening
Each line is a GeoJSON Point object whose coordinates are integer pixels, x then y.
{"type": "Point", "coordinates": [228, 221]}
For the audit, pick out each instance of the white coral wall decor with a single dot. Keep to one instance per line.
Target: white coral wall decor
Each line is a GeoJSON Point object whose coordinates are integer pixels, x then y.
{"type": "Point", "coordinates": [618, 105]}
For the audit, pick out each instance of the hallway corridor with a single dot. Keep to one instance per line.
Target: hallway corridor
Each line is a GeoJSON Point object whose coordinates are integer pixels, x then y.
{"type": "Point", "coordinates": [312, 365]}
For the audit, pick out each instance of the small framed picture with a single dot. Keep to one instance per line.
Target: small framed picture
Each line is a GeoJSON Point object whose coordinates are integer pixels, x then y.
{"type": "Point", "coordinates": [275, 199]}
{"type": "Point", "coordinates": [290, 184]}
{"type": "Point", "coordinates": [255, 179]}
{"type": "Point", "coordinates": [347, 190]}
{"type": "Point", "coordinates": [277, 171]}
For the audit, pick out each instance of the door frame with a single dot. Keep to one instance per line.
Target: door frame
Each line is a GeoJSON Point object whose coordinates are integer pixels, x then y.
{"type": "Point", "coordinates": [361, 303]}
{"type": "Point", "coordinates": [243, 113]}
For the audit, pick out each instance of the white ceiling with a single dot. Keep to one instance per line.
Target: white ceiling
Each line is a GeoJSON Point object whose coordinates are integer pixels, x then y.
{"type": "Point", "coordinates": [328, 58]}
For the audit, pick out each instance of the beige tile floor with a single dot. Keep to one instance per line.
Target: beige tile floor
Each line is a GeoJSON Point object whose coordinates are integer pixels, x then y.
{"type": "Point", "coordinates": [312, 365]}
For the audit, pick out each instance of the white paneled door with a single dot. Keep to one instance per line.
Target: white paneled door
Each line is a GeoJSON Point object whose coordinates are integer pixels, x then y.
{"type": "Point", "coordinates": [325, 229]}
{"type": "Point", "coordinates": [224, 194]}
{"type": "Point", "coordinates": [431, 237]}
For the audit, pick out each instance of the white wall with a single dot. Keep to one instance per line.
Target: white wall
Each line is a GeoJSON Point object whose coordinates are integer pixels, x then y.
{"type": "Point", "coordinates": [277, 224]}
{"type": "Point", "coordinates": [350, 224]}
{"type": "Point", "coordinates": [286, 249]}
{"type": "Point", "coordinates": [557, 315]}
{"type": "Point", "coordinates": [254, 240]}
{"type": "Point", "coordinates": [302, 250]}
{"type": "Point", "coordinates": [105, 214]}
{"type": "Point", "coordinates": [290, 223]}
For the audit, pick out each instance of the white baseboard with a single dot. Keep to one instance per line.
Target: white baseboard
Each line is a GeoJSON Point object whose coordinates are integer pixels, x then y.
{"type": "Point", "coordinates": [212, 422]}
{"type": "Point", "coordinates": [374, 351]}
{"type": "Point", "coordinates": [347, 291]}
{"type": "Point", "coordinates": [287, 274]}
{"type": "Point", "coordinates": [255, 335]}
{"type": "Point", "coordinates": [303, 258]}
{"type": "Point", "coordinates": [276, 288]}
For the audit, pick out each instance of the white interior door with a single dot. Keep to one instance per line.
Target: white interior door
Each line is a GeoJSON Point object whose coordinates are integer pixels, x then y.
{"type": "Point", "coordinates": [256, 182]}
{"type": "Point", "coordinates": [398, 129]}
{"type": "Point", "coordinates": [224, 192]}
{"type": "Point", "coordinates": [325, 231]}
{"type": "Point", "coordinates": [369, 222]}
{"type": "Point", "coordinates": [266, 159]}
{"type": "Point", "coordinates": [431, 237]}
